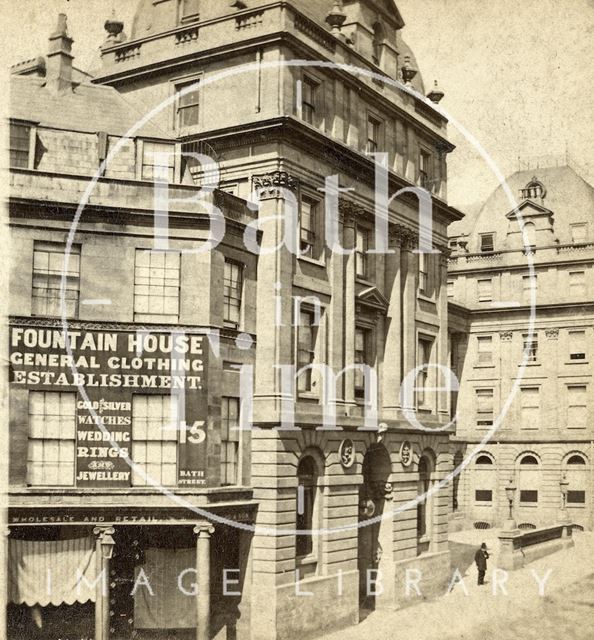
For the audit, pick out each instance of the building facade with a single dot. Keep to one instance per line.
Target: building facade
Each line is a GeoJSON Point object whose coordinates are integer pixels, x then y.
{"type": "Point", "coordinates": [138, 321]}
{"type": "Point", "coordinates": [543, 444]}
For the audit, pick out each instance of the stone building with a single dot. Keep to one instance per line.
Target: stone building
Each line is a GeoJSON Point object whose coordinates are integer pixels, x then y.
{"type": "Point", "coordinates": [544, 442]}
{"type": "Point", "coordinates": [240, 137]}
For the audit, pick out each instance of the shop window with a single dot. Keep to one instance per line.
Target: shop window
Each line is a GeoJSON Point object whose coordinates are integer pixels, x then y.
{"type": "Point", "coordinates": [309, 100]}
{"type": "Point", "coordinates": [363, 358]}
{"type": "Point", "coordinates": [188, 104]}
{"type": "Point", "coordinates": [361, 255]}
{"type": "Point", "coordinates": [154, 439]}
{"type": "Point", "coordinates": [576, 474]}
{"type": "Point", "coordinates": [307, 510]}
{"type": "Point", "coordinates": [577, 284]}
{"type": "Point", "coordinates": [49, 267]}
{"type": "Point", "coordinates": [424, 350]}
{"type": "Point", "coordinates": [485, 350]}
{"type": "Point", "coordinates": [20, 145]}
{"type": "Point", "coordinates": [233, 294]}
{"type": "Point", "coordinates": [484, 407]}
{"type": "Point", "coordinates": [374, 127]}
{"type": "Point", "coordinates": [577, 345]}
{"type": "Point", "coordinates": [158, 161]}
{"type": "Point", "coordinates": [52, 438]}
{"type": "Point", "coordinates": [529, 480]}
{"type": "Point", "coordinates": [230, 433]}
{"type": "Point", "coordinates": [485, 289]}
{"type": "Point", "coordinates": [530, 407]}
{"type": "Point", "coordinates": [530, 347]}
{"type": "Point", "coordinates": [306, 349]}
{"type": "Point", "coordinates": [310, 225]}
{"type": "Point", "coordinates": [487, 242]}
{"type": "Point", "coordinates": [579, 233]}
{"type": "Point", "coordinates": [156, 286]}
{"type": "Point", "coordinates": [425, 169]}
{"type": "Point", "coordinates": [577, 407]}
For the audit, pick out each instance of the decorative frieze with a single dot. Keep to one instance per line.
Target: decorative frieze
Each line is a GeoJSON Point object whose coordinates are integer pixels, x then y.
{"type": "Point", "coordinates": [506, 336]}
{"type": "Point", "coordinates": [552, 334]}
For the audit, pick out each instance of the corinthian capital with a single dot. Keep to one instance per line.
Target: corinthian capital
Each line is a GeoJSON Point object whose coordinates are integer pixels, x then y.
{"type": "Point", "coordinates": [271, 185]}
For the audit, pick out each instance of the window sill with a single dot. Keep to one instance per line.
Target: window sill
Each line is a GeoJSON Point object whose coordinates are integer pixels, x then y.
{"type": "Point", "coordinates": [530, 364]}
{"type": "Point", "coordinates": [528, 505]}
{"type": "Point", "coordinates": [484, 366]}
{"type": "Point", "coordinates": [483, 504]}
{"type": "Point", "coordinates": [577, 362]}
{"type": "Point", "coordinates": [364, 281]}
{"type": "Point", "coordinates": [422, 296]}
{"type": "Point", "coordinates": [308, 396]}
{"type": "Point", "coordinates": [576, 506]}
{"type": "Point", "coordinates": [318, 263]}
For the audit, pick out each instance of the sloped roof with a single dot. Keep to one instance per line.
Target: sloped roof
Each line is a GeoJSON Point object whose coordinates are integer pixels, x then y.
{"type": "Point", "coordinates": [568, 196]}
{"type": "Point", "coordinates": [87, 108]}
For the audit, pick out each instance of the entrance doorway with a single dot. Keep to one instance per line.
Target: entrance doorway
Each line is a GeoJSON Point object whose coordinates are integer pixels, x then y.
{"type": "Point", "coordinates": [372, 498]}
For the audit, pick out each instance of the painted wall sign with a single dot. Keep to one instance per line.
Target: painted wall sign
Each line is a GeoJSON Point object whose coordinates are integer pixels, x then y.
{"type": "Point", "coordinates": [112, 367]}
{"type": "Point", "coordinates": [406, 453]}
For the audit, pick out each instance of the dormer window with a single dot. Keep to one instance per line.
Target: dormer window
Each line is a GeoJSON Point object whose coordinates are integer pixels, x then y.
{"type": "Point", "coordinates": [20, 145]}
{"type": "Point", "coordinates": [534, 189]}
{"type": "Point", "coordinates": [487, 242]}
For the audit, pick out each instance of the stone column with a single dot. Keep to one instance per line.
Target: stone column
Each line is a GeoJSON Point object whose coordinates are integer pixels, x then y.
{"type": "Point", "coordinates": [348, 217]}
{"type": "Point", "coordinates": [409, 265]}
{"type": "Point", "coordinates": [392, 369]}
{"type": "Point", "coordinates": [275, 280]}
{"type": "Point", "coordinates": [443, 398]}
{"type": "Point", "coordinates": [104, 550]}
{"type": "Point", "coordinates": [203, 530]}
{"type": "Point", "coordinates": [4, 585]}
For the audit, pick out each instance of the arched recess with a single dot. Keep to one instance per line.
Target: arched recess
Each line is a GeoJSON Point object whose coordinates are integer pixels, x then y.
{"type": "Point", "coordinates": [426, 469]}
{"type": "Point", "coordinates": [379, 36]}
{"type": "Point", "coordinates": [485, 479]}
{"type": "Point", "coordinates": [458, 459]}
{"type": "Point", "coordinates": [575, 471]}
{"type": "Point", "coordinates": [308, 511]}
{"type": "Point", "coordinates": [374, 537]}
{"type": "Point", "coordinates": [528, 470]}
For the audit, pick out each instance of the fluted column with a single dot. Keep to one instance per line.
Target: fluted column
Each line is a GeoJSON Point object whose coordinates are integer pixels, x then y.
{"type": "Point", "coordinates": [348, 218]}
{"type": "Point", "coordinates": [104, 550]}
{"type": "Point", "coordinates": [409, 265]}
{"type": "Point", "coordinates": [203, 531]}
{"type": "Point", "coordinates": [392, 365]}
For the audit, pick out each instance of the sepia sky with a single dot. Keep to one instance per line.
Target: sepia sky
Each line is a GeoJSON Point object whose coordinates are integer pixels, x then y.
{"type": "Point", "coordinates": [517, 74]}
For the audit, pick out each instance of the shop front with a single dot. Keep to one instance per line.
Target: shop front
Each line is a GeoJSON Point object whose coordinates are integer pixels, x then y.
{"type": "Point", "coordinates": [127, 575]}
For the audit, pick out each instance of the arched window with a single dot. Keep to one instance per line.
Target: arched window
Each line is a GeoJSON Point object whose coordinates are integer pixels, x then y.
{"type": "Point", "coordinates": [424, 523]}
{"type": "Point", "coordinates": [529, 234]}
{"type": "Point", "coordinates": [484, 480]}
{"type": "Point", "coordinates": [307, 509]}
{"type": "Point", "coordinates": [576, 476]}
{"type": "Point", "coordinates": [529, 479]}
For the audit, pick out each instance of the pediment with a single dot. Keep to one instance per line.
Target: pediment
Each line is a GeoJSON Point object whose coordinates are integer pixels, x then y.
{"type": "Point", "coordinates": [529, 209]}
{"type": "Point", "coordinates": [372, 299]}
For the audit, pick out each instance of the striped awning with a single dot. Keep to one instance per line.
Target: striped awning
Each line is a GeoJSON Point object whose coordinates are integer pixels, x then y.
{"type": "Point", "coordinates": [51, 572]}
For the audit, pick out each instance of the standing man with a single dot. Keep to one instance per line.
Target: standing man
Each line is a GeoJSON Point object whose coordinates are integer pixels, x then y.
{"type": "Point", "coordinates": [480, 557]}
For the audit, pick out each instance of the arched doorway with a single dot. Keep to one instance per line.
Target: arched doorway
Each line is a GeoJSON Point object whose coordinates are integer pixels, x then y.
{"type": "Point", "coordinates": [373, 493]}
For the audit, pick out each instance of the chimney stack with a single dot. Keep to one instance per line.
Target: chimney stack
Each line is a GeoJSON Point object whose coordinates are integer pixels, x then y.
{"type": "Point", "coordinates": [58, 73]}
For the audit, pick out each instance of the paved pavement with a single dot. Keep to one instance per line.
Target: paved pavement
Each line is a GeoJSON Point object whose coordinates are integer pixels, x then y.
{"type": "Point", "coordinates": [498, 611]}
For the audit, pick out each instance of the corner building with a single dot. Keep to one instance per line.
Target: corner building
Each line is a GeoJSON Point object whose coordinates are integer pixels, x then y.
{"type": "Point", "coordinates": [543, 444]}
{"type": "Point", "coordinates": [276, 132]}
